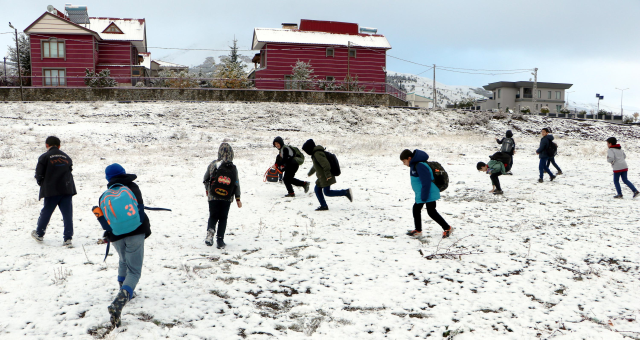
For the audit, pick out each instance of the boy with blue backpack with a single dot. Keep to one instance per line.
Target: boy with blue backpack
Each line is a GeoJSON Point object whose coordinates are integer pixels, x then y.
{"type": "Point", "coordinates": [425, 189]}
{"type": "Point", "coordinates": [121, 214]}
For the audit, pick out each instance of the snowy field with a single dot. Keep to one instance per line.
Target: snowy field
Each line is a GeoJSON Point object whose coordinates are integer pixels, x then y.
{"type": "Point", "coordinates": [553, 260]}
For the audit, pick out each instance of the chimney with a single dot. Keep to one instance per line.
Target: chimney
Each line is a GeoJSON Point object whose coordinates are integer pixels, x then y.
{"type": "Point", "coordinates": [289, 26]}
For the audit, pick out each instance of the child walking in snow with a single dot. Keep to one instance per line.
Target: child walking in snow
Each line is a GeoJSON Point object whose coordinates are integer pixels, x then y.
{"type": "Point", "coordinates": [221, 184]}
{"type": "Point", "coordinates": [121, 214]}
{"type": "Point", "coordinates": [289, 160]}
{"type": "Point", "coordinates": [617, 158]}
{"type": "Point", "coordinates": [426, 192]}
{"type": "Point", "coordinates": [322, 169]}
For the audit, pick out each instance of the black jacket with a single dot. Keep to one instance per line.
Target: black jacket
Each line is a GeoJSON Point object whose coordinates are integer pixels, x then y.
{"type": "Point", "coordinates": [285, 156]}
{"type": "Point", "coordinates": [53, 174]}
{"type": "Point", "coordinates": [145, 227]}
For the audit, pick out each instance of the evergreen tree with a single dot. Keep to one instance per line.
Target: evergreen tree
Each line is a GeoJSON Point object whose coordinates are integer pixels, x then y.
{"type": "Point", "coordinates": [231, 73]}
{"type": "Point", "coordinates": [24, 56]}
{"type": "Point", "coordinates": [301, 76]}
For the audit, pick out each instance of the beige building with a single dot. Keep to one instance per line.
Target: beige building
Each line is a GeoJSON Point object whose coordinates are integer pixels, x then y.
{"type": "Point", "coordinates": [416, 100]}
{"type": "Point", "coordinates": [517, 95]}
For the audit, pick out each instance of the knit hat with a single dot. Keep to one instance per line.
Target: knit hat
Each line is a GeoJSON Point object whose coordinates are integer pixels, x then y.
{"type": "Point", "coordinates": [278, 140]}
{"type": "Point", "coordinates": [308, 146]}
{"type": "Point", "coordinates": [509, 134]}
{"type": "Point", "coordinates": [114, 170]}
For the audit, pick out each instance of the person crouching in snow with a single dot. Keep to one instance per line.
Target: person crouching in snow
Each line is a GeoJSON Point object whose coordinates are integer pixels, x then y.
{"type": "Point", "coordinates": [121, 214]}
{"type": "Point", "coordinates": [289, 160]}
{"type": "Point", "coordinates": [616, 157]}
{"type": "Point", "coordinates": [221, 184]}
{"type": "Point", "coordinates": [322, 169]}
{"type": "Point", "coordinates": [427, 193]}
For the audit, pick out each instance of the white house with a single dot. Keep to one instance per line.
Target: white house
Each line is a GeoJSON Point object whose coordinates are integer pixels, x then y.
{"type": "Point", "coordinates": [517, 95]}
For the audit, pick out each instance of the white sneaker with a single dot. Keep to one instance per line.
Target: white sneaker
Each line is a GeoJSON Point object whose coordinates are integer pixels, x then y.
{"type": "Point", "coordinates": [35, 236]}
{"type": "Point", "coordinates": [67, 244]}
{"type": "Point", "coordinates": [209, 239]}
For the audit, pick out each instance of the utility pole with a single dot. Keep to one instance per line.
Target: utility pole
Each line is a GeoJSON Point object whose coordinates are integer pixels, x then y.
{"type": "Point", "coordinates": [535, 88]}
{"type": "Point", "coordinates": [18, 59]}
{"type": "Point", "coordinates": [348, 66]}
{"type": "Point", "coordinates": [5, 69]}
{"type": "Point", "coordinates": [621, 95]}
{"type": "Point", "coordinates": [434, 87]}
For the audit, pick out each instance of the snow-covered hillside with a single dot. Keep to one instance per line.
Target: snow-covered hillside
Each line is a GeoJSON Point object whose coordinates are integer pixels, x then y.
{"type": "Point", "coordinates": [446, 94]}
{"type": "Point", "coordinates": [543, 261]}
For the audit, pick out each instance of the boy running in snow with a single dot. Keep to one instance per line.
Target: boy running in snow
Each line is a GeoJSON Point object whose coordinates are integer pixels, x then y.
{"type": "Point", "coordinates": [322, 169]}
{"type": "Point", "coordinates": [426, 192]}
{"type": "Point", "coordinates": [508, 146]}
{"type": "Point", "coordinates": [53, 175]}
{"type": "Point", "coordinates": [617, 158]}
{"type": "Point", "coordinates": [128, 244]}
{"type": "Point", "coordinates": [288, 162]}
{"type": "Point", "coordinates": [221, 183]}
{"type": "Point", "coordinates": [543, 154]}
{"type": "Point", "coordinates": [495, 168]}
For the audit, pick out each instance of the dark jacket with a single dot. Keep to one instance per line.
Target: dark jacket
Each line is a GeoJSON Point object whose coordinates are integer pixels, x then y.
{"type": "Point", "coordinates": [500, 141]}
{"type": "Point", "coordinates": [286, 156]}
{"type": "Point", "coordinates": [321, 168]}
{"type": "Point", "coordinates": [225, 155]}
{"type": "Point", "coordinates": [544, 146]}
{"type": "Point", "coordinates": [422, 178]}
{"type": "Point", "coordinates": [145, 227]}
{"type": "Point", "coordinates": [53, 174]}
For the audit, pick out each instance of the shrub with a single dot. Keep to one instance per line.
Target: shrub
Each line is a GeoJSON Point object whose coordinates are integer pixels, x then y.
{"type": "Point", "coordinates": [544, 110]}
{"type": "Point", "coordinates": [582, 112]}
{"type": "Point", "coordinates": [628, 120]}
{"type": "Point", "coordinates": [102, 79]}
{"type": "Point", "coordinates": [564, 110]}
{"type": "Point", "coordinates": [525, 110]}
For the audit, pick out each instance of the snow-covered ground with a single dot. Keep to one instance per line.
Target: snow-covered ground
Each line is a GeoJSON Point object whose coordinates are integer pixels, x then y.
{"type": "Point", "coordinates": [553, 260]}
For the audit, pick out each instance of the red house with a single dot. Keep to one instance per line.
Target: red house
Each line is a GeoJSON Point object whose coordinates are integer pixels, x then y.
{"type": "Point", "coordinates": [335, 51]}
{"type": "Point", "coordinates": [64, 45]}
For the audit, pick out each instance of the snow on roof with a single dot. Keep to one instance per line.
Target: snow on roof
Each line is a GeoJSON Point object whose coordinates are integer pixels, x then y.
{"type": "Point", "coordinates": [168, 64]}
{"type": "Point", "coordinates": [132, 29]}
{"type": "Point", "coordinates": [275, 35]}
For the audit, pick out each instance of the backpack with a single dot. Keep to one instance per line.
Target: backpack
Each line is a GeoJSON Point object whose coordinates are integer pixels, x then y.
{"type": "Point", "coordinates": [440, 176]}
{"type": "Point", "coordinates": [503, 158]}
{"type": "Point", "coordinates": [223, 181]}
{"type": "Point", "coordinates": [552, 149]}
{"type": "Point", "coordinates": [507, 145]}
{"type": "Point", "coordinates": [298, 156]}
{"type": "Point", "coordinates": [271, 175]}
{"type": "Point", "coordinates": [120, 207]}
{"type": "Point", "coordinates": [333, 163]}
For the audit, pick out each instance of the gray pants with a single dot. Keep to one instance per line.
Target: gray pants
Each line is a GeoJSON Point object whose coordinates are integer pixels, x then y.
{"type": "Point", "coordinates": [131, 252]}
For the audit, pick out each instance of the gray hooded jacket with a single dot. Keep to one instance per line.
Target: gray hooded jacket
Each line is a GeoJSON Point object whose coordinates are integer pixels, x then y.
{"type": "Point", "coordinates": [225, 154]}
{"type": "Point", "coordinates": [616, 157]}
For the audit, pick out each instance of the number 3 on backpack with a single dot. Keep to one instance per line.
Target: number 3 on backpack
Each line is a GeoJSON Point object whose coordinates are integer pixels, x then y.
{"type": "Point", "coordinates": [132, 210]}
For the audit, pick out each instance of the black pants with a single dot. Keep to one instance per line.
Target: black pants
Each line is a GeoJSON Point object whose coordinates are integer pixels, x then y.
{"type": "Point", "coordinates": [218, 213]}
{"type": "Point", "coordinates": [64, 203]}
{"type": "Point", "coordinates": [433, 213]}
{"type": "Point", "coordinates": [290, 170]}
{"type": "Point", "coordinates": [496, 181]}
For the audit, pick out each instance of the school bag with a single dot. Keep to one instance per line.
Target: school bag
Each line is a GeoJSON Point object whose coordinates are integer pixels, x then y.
{"type": "Point", "coordinates": [507, 145]}
{"type": "Point", "coordinates": [223, 181]}
{"type": "Point", "coordinates": [120, 207]}
{"type": "Point", "coordinates": [333, 162]}
{"type": "Point", "coordinates": [298, 156]}
{"type": "Point", "coordinates": [440, 176]}
{"type": "Point", "coordinates": [271, 175]}
{"type": "Point", "coordinates": [552, 149]}
{"type": "Point", "coordinates": [503, 158]}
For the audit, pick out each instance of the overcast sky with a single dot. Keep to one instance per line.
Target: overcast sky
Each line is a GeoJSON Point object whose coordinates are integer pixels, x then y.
{"type": "Point", "coordinates": [594, 45]}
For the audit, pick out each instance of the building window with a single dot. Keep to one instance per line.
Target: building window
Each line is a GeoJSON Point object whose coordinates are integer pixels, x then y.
{"type": "Point", "coordinates": [536, 106]}
{"type": "Point", "coordinates": [53, 49]}
{"type": "Point", "coordinates": [539, 94]}
{"type": "Point", "coordinates": [54, 78]}
{"type": "Point", "coordinates": [549, 95]}
{"type": "Point", "coordinates": [558, 95]}
{"type": "Point", "coordinates": [352, 53]}
{"type": "Point", "coordinates": [330, 52]}
{"type": "Point", "coordinates": [498, 106]}
{"type": "Point", "coordinates": [112, 28]}
{"type": "Point", "coordinates": [331, 78]}
{"type": "Point", "coordinates": [499, 90]}
{"type": "Point", "coordinates": [135, 72]}
{"type": "Point", "coordinates": [558, 108]}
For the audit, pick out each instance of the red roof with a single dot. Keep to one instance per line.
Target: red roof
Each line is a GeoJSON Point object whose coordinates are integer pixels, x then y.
{"type": "Point", "coordinates": [328, 26]}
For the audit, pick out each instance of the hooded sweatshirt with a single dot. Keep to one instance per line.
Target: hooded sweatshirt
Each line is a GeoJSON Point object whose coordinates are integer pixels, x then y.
{"type": "Point", "coordinates": [225, 155]}
{"type": "Point", "coordinates": [544, 146]}
{"type": "Point", "coordinates": [616, 157]}
{"type": "Point", "coordinates": [145, 226]}
{"type": "Point", "coordinates": [422, 178]}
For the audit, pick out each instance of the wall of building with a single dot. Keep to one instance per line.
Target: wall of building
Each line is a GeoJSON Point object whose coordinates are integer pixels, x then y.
{"type": "Point", "coordinates": [280, 58]}
{"type": "Point", "coordinates": [117, 57]}
{"type": "Point", "coordinates": [159, 94]}
{"type": "Point", "coordinates": [79, 55]}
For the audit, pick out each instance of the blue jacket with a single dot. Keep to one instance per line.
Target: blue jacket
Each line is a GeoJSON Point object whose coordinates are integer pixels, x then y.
{"type": "Point", "coordinates": [544, 145]}
{"type": "Point", "coordinates": [422, 178]}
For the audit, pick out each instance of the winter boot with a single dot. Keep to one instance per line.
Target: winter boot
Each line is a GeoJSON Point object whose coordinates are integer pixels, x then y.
{"type": "Point", "coordinates": [350, 195]}
{"type": "Point", "coordinates": [293, 194]}
{"type": "Point", "coordinates": [559, 173]}
{"type": "Point", "coordinates": [67, 243]}
{"type": "Point", "coordinates": [636, 194]}
{"type": "Point", "coordinates": [552, 178]}
{"type": "Point", "coordinates": [447, 232]}
{"type": "Point", "coordinates": [497, 192]}
{"type": "Point", "coordinates": [322, 208]}
{"type": "Point", "coordinates": [35, 236]}
{"type": "Point", "coordinates": [209, 239]}
{"type": "Point", "coordinates": [540, 180]}
{"type": "Point", "coordinates": [220, 244]}
{"type": "Point", "coordinates": [617, 196]}
{"type": "Point", "coordinates": [115, 309]}
{"type": "Point", "coordinates": [306, 187]}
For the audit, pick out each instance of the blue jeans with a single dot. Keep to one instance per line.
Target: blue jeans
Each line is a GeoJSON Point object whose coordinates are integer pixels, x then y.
{"type": "Point", "coordinates": [64, 203]}
{"type": "Point", "coordinates": [328, 192]}
{"type": "Point", "coordinates": [552, 161]}
{"type": "Point", "coordinates": [543, 167]}
{"type": "Point", "coordinates": [616, 182]}
{"type": "Point", "coordinates": [131, 252]}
